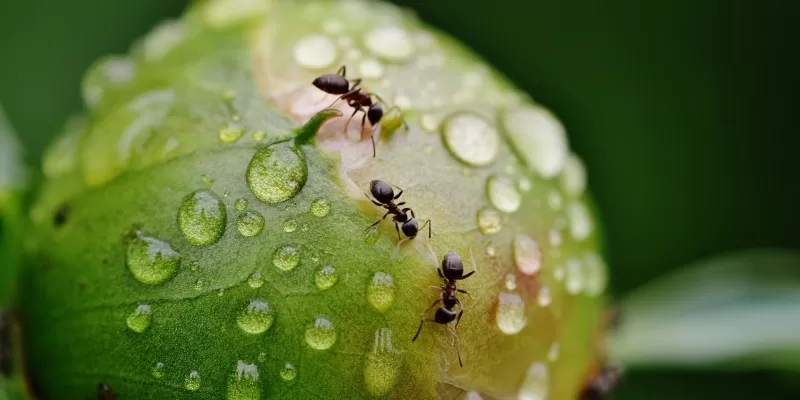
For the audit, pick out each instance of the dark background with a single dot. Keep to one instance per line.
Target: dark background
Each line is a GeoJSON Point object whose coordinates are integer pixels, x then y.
{"type": "Point", "coordinates": [683, 111]}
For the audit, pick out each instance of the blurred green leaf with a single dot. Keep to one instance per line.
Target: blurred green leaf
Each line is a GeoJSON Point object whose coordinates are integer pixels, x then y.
{"type": "Point", "coordinates": [735, 311]}
{"type": "Point", "coordinates": [13, 179]}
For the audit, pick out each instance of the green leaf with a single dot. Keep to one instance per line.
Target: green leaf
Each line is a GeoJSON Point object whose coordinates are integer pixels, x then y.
{"type": "Point", "coordinates": [736, 311]}
{"type": "Point", "coordinates": [13, 179]}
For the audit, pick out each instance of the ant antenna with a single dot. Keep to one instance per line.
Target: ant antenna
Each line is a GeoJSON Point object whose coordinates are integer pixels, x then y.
{"type": "Point", "coordinates": [458, 345]}
{"type": "Point", "coordinates": [433, 255]}
{"type": "Point", "coordinates": [472, 257]}
{"type": "Point", "coordinates": [396, 249]}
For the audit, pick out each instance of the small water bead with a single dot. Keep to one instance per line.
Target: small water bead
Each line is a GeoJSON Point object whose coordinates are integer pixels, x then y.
{"type": "Point", "coordinates": [206, 179]}
{"type": "Point", "coordinates": [544, 298]}
{"type": "Point", "coordinates": [289, 226]}
{"type": "Point", "coordinates": [276, 173]}
{"type": "Point", "coordinates": [554, 352]}
{"type": "Point", "coordinates": [139, 320]}
{"type": "Point", "coordinates": [259, 135]}
{"type": "Point", "coordinates": [158, 370]}
{"type": "Point", "coordinates": [199, 285]}
{"type": "Point", "coordinates": [240, 204]}
{"type": "Point", "coordinates": [524, 184]}
{"type": "Point", "coordinates": [511, 282]}
{"type": "Point", "coordinates": [262, 357]}
{"type": "Point", "coordinates": [490, 251]}
{"type": "Point", "coordinates": [194, 266]}
{"type": "Point", "coordinates": [314, 52]}
{"type": "Point", "coordinates": [595, 271]}
{"type": "Point", "coordinates": [333, 26]}
{"type": "Point", "coordinates": [202, 218]}
{"type": "Point", "coordinates": [285, 258]}
{"type": "Point", "coordinates": [558, 273]}
{"type": "Point", "coordinates": [289, 372]}
{"type": "Point", "coordinates": [554, 237]}
{"type": "Point", "coordinates": [527, 255]}
{"type": "Point", "coordinates": [370, 69]}
{"type": "Point", "coordinates": [510, 315]}
{"type": "Point", "coordinates": [249, 223]}
{"type": "Point", "coordinates": [256, 317]}
{"type": "Point", "coordinates": [382, 364]}
{"type": "Point", "coordinates": [503, 193]}
{"type": "Point", "coordinates": [192, 382]}
{"type": "Point", "coordinates": [489, 221]}
{"type": "Point", "coordinates": [580, 221]}
{"type": "Point", "coordinates": [326, 277]}
{"type": "Point", "coordinates": [255, 280]}
{"type": "Point", "coordinates": [471, 139]}
{"type": "Point", "coordinates": [321, 335]}
{"type": "Point", "coordinates": [539, 137]}
{"type": "Point", "coordinates": [231, 132]}
{"type": "Point", "coordinates": [320, 207]}
{"type": "Point", "coordinates": [389, 42]}
{"type": "Point", "coordinates": [305, 228]}
{"type": "Point", "coordinates": [555, 200]}
{"type": "Point", "coordinates": [243, 383]}
{"type": "Point", "coordinates": [536, 385]}
{"type": "Point", "coordinates": [573, 177]}
{"type": "Point", "coordinates": [151, 261]}
{"type": "Point", "coordinates": [574, 279]}
{"type": "Point", "coordinates": [381, 292]}
{"type": "Point", "coordinates": [429, 122]}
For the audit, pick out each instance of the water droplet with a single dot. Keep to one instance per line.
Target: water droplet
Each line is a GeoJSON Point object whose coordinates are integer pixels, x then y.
{"type": "Point", "coordinates": [320, 207]}
{"type": "Point", "coordinates": [289, 372]}
{"type": "Point", "coordinates": [325, 277]}
{"type": "Point", "coordinates": [524, 184]}
{"type": "Point", "coordinates": [471, 139]}
{"type": "Point", "coordinates": [554, 236]}
{"type": "Point", "coordinates": [370, 69]}
{"type": "Point", "coordinates": [382, 365]}
{"type": "Point", "coordinates": [511, 281]}
{"type": "Point", "coordinates": [539, 137]}
{"type": "Point", "coordinates": [536, 384]}
{"type": "Point", "coordinates": [202, 218]}
{"type": "Point", "coordinates": [158, 370]}
{"type": "Point", "coordinates": [544, 298]}
{"type": "Point", "coordinates": [243, 383]}
{"type": "Point", "coordinates": [249, 223]}
{"type": "Point", "coordinates": [305, 228]}
{"type": "Point", "coordinates": [199, 285]}
{"type": "Point", "coordinates": [286, 258]}
{"type": "Point", "coordinates": [333, 26]}
{"type": "Point", "coordinates": [256, 317]}
{"type": "Point", "coordinates": [595, 271]}
{"type": "Point", "coordinates": [580, 222]}
{"type": "Point", "coordinates": [231, 132]}
{"type": "Point", "coordinates": [262, 357]}
{"type": "Point", "coordinates": [192, 382]}
{"type": "Point", "coordinates": [276, 173]}
{"type": "Point", "coordinates": [510, 315]}
{"type": "Point", "coordinates": [240, 204]}
{"type": "Point", "coordinates": [554, 352]}
{"type": "Point", "coordinates": [289, 225]}
{"type": "Point", "coordinates": [314, 52]}
{"type": "Point", "coordinates": [554, 200]}
{"type": "Point", "coordinates": [322, 335]}
{"type": "Point", "coordinates": [259, 135]}
{"type": "Point", "coordinates": [489, 221]}
{"type": "Point", "coordinates": [389, 42]}
{"type": "Point", "coordinates": [429, 122]}
{"type": "Point", "coordinates": [527, 255]}
{"type": "Point", "coordinates": [380, 292]}
{"type": "Point", "coordinates": [503, 194]}
{"type": "Point", "coordinates": [490, 251]}
{"type": "Point", "coordinates": [139, 320]}
{"type": "Point", "coordinates": [255, 280]}
{"type": "Point", "coordinates": [558, 273]}
{"type": "Point", "coordinates": [108, 73]}
{"type": "Point", "coordinates": [225, 13]}
{"type": "Point", "coordinates": [573, 177]}
{"type": "Point", "coordinates": [206, 179]}
{"type": "Point", "coordinates": [574, 279]}
{"type": "Point", "coordinates": [162, 39]}
{"type": "Point", "coordinates": [194, 266]}
{"type": "Point", "coordinates": [150, 260]}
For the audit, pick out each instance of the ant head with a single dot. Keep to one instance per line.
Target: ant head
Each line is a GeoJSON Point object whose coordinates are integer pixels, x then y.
{"type": "Point", "coordinates": [444, 316]}
{"type": "Point", "coordinates": [375, 113]}
{"type": "Point", "coordinates": [452, 266]}
{"type": "Point", "coordinates": [381, 191]}
{"type": "Point", "coordinates": [410, 228]}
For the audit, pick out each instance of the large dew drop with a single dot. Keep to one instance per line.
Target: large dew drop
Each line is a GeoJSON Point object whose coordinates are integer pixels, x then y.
{"type": "Point", "coordinates": [314, 52]}
{"type": "Point", "coordinates": [503, 194]}
{"type": "Point", "coordinates": [250, 223]}
{"type": "Point", "coordinates": [150, 260]}
{"type": "Point", "coordinates": [382, 365]}
{"type": "Point", "coordinates": [471, 139]}
{"type": "Point", "coordinates": [381, 291]}
{"type": "Point", "coordinates": [139, 320]}
{"type": "Point", "coordinates": [536, 384]}
{"type": "Point", "coordinates": [192, 381]}
{"type": "Point", "coordinates": [539, 138]}
{"type": "Point", "coordinates": [202, 218]}
{"type": "Point", "coordinates": [243, 383]}
{"type": "Point", "coordinates": [510, 315]}
{"type": "Point", "coordinates": [289, 372]}
{"type": "Point", "coordinates": [389, 42]}
{"type": "Point", "coordinates": [256, 317]}
{"type": "Point", "coordinates": [276, 173]}
{"type": "Point", "coordinates": [527, 255]}
{"type": "Point", "coordinates": [255, 280]}
{"type": "Point", "coordinates": [285, 258]}
{"type": "Point", "coordinates": [321, 335]}
{"type": "Point", "coordinates": [326, 277]}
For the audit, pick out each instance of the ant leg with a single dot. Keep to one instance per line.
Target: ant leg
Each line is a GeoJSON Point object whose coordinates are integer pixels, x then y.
{"type": "Point", "coordinates": [400, 203]}
{"type": "Point", "coordinates": [474, 268]}
{"type": "Point", "coordinates": [422, 321]}
{"type": "Point", "coordinates": [371, 199]}
{"type": "Point", "coordinates": [344, 96]}
{"type": "Point", "coordinates": [397, 196]}
{"type": "Point", "coordinates": [342, 71]}
{"type": "Point", "coordinates": [463, 291]}
{"type": "Point", "coordinates": [458, 345]}
{"type": "Point", "coordinates": [378, 221]}
{"type": "Point", "coordinates": [372, 138]}
{"type": "Point", "coordinates": [355, 83]}
{"type": "Point", "coordinates": [458, 319]}
{"type": "Point", "coordinates": [397, 228]}
{"type": "Point", "coordinates": [432, 305]}
{"type": "Point", "coordinates": [427, 222]}
{"type": "Point", "coordinates": [439, 288]}
{"type": "Point", "coordinates": [349, 119]}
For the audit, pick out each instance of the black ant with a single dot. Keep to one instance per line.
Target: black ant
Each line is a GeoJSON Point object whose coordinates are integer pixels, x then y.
{"type": "Point", "coordinates": [602, 385]}
{"type": "Point", "coordinates": [452, 270]}
{"type": "Point", "coordinates": [349, 91]}
{"type": "Point", "coordinates": [384, 197]}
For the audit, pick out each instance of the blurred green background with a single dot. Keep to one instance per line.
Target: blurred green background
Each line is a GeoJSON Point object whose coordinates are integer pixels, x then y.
{"type": "Point", "coordinates": [683, 112]}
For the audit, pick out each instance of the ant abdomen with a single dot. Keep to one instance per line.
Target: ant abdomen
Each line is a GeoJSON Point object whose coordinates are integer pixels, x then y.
{"type": "Point", "coordinates": [382, 191]}
{"type": "Point", "coordinates": [332, 84]}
